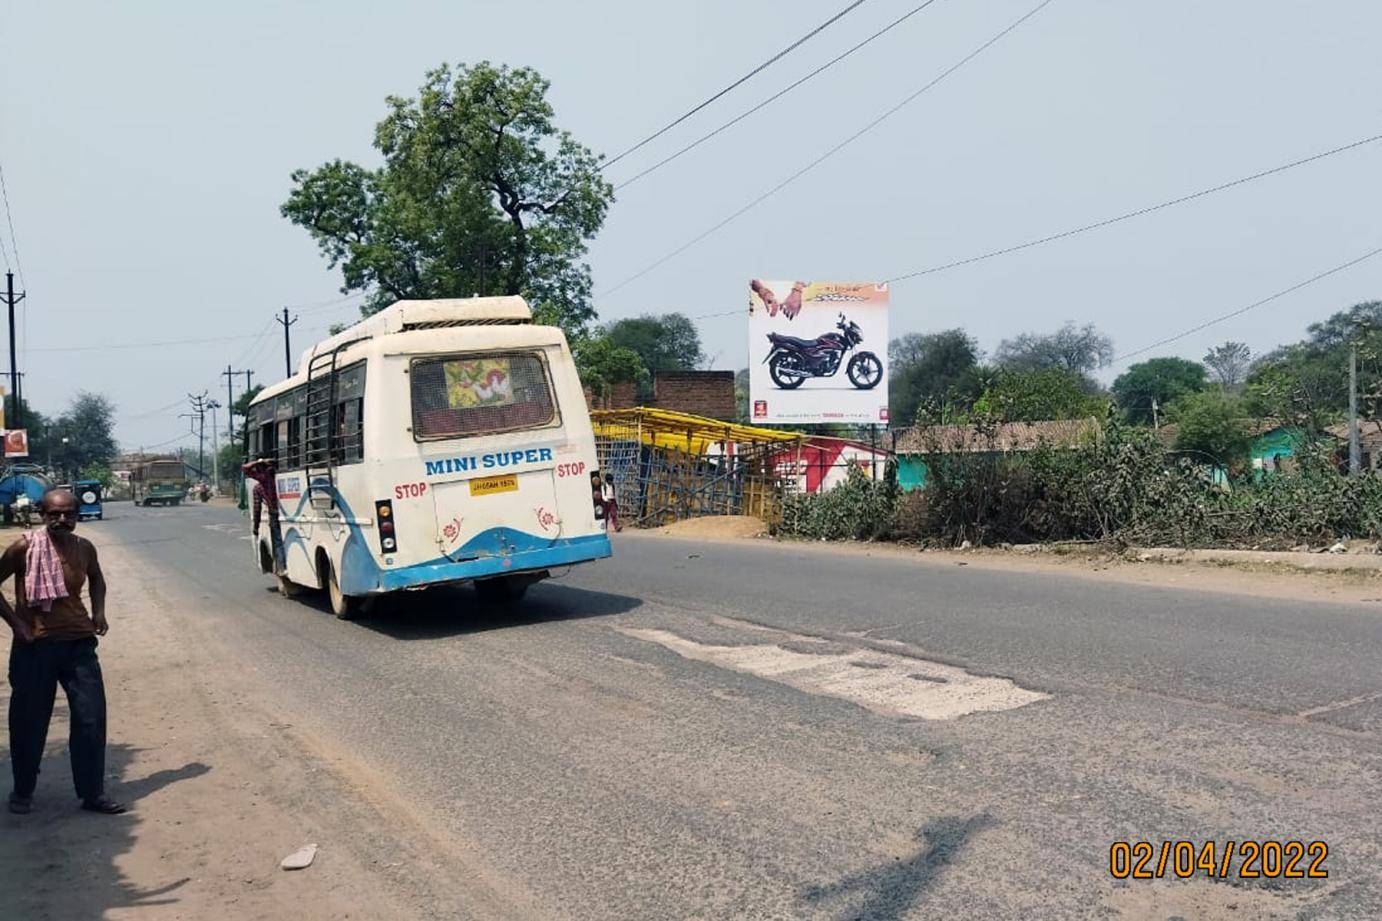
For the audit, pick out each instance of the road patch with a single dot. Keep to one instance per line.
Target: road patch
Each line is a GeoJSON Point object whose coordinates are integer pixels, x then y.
{"type": "Point", "coordinates": [882, 682]}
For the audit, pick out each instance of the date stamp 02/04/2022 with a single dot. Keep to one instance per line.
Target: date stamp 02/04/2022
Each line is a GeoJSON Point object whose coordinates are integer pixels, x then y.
{"type": "Point", "coordinates": [1245, 859]}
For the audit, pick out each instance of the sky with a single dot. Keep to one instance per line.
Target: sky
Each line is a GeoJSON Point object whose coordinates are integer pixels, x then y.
{"type": "Point", "coordinates": [147, 146]}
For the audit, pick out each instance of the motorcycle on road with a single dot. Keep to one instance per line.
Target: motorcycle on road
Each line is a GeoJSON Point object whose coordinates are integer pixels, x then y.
{"type": "Point", "coordinates": [791, 360]}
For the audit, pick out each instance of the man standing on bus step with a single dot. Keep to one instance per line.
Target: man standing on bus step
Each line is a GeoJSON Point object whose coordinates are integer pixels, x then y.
{"type": "Point", "coordinates": [55, 643]}
{"type": "Point", "coordinates": [265, 475]}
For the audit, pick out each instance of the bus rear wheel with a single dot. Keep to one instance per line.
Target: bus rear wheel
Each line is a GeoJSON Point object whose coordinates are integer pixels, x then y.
{"type": "Point", "coordinates": [345, 607]}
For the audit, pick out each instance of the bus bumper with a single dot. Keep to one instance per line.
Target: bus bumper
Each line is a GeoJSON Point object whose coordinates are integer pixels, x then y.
{"type": "Point", "coordinates": [507, 557]}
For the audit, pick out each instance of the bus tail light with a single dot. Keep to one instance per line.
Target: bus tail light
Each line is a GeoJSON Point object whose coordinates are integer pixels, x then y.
{"type": "Point", "coordinates": [388, 542]}
{"type": "Point", "coordinates": [597, 494]}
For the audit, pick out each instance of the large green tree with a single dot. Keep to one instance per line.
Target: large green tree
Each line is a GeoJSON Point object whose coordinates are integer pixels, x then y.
{"type": "Point", "coordinates": [479, 193]}
{"type": "Point", "coordinates": [84, 435]}
{"type": "Point", "coordinates": [601, 363]}
{"type": "Point", "coordinates": [931, 371]}
{"type": "Point", "coordinates": [1035, 396]}
{"type": "Point", "coordinates": [1306, 382]}
{"type": "Point", "coordinates": [666, 342]}
{"type": "Point", "coordinates": [1212, 424]}
{"type": "Point", "coordinates": [1155, 384]}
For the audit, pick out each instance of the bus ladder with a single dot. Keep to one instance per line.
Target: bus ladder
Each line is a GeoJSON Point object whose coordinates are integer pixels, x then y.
{"type": "Point", "coordinates": [319, 439]}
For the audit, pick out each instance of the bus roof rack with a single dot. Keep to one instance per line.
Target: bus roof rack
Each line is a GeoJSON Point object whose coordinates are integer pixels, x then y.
{"type": "Point", "coordinates": [402, 316]}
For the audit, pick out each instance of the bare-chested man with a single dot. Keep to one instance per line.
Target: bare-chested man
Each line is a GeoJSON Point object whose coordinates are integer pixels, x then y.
{"type": "Point", "coordinates": [55, 643]}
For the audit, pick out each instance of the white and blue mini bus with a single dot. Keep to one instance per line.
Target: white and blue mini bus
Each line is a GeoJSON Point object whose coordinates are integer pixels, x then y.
{"type": "Point", "coordinates": [434, 442]}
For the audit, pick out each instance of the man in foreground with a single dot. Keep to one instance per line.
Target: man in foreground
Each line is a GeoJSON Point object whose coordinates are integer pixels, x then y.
{"type": "Point", "coordinates": [55, 643]}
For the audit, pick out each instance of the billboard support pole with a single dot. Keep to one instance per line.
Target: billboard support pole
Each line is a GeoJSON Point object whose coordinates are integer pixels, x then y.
{"type": "Point", "coordinates": [873, 451]}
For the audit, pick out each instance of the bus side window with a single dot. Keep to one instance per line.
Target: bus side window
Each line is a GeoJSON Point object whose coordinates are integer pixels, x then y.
{"type": "Point", "coordinates": [347, 417]}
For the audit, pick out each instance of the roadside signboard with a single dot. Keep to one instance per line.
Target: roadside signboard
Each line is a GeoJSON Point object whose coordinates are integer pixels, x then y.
{"type": "Point", "coordinates": [818, 352]}
{"type": "Point", "coordinates": [16, 443]}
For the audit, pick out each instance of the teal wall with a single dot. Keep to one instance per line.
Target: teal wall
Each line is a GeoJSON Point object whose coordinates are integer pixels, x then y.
{"type": "Point", "coordinates": [911, 472]}
{"type": "Point", "coordinates": [1279, 442]}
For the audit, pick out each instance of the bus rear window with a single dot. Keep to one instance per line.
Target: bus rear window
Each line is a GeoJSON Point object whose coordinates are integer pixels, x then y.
{"type": "Point", "coordinates": [480, 395]}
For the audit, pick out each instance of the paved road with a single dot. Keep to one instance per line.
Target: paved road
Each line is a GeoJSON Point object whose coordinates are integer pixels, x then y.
{"type": "Point", "coordinates": [730, 731]}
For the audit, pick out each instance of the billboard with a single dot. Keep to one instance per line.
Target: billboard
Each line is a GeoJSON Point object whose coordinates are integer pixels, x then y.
{"type": "Point", "coordinates": [818, 352]}
{"type": "Point", "coordinates": [16, 443]}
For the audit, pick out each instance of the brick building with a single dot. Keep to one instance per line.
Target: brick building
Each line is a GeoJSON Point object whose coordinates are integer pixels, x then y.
{"type": "Point", "coordinates": [700, 393]}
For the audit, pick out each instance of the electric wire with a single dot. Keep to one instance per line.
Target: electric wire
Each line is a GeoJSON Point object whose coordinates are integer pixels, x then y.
{"type": "Point", "coordinates": [14, 240]}
{"type": "Point", "coordinates": [744, 79]}
{"type": "Point", "coordinates": [184, 435]}
{"type": "Point", "coordinates": [773, 98]}
{"type": "Point", "coordinates": [831, 152]}
{"type": "Point", "coordinates": [136, 345]}
{"type": "Point", "coordinates": [1106, 222]}
{"type": "Point", "coordinates": [1119, 359]}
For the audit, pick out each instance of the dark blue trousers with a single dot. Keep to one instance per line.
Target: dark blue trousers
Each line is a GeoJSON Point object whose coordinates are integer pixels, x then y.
{"type": "Point", "coordinates": [36, 670]}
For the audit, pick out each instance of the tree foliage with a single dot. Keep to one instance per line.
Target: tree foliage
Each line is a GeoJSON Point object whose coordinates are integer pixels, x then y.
{"type": "Point", "coordinates": [600, 363]}
{"type": "Point", "coordinates": [479, 193]}
{"type": "Point", "coordinates": [666, 342]}
{"type": "Point", "coordinates": [1034, 396]}
{"type": "Point", "coordinates": [1213, 424]}
{"type": "Point", "coordinates": [1077, 349]}
{"type": "Point", "coordinates": [931, 371]}
{"type": "Point", "coordinates": [1306, 382]}
{"type": "Point", "coordinates": [83, 436]}
{"type": "Point", "coordinates": [1229, 362]}
{"type": "Point", "coordinates": [1161, 379]}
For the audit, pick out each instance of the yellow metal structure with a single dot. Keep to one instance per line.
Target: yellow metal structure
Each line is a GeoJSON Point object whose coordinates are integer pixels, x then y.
{"type": "Point", "coordinates": [676, 431]}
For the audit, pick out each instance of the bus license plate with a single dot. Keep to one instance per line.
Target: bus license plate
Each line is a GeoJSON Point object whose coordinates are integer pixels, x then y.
{"type": "Point", "coordinates": [489, 485]}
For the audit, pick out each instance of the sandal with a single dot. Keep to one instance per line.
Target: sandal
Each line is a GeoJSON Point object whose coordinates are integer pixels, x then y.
{"type": "Point", "coordinates": [104, 805]}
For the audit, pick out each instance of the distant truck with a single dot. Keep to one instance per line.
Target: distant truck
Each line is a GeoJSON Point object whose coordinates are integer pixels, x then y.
{"type": "Point", "coordinates": [158, 482]}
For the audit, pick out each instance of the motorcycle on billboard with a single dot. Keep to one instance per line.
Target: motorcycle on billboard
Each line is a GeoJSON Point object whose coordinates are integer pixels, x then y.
{"type": "Point", "coordinates": [797, 378]}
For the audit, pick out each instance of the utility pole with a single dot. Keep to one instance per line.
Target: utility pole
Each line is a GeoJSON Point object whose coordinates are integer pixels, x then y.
{"type": "Point", "coordinates": [215, 446]}
{"type": "Point", "coordinates": [12, 299]}
{"type": "Point", "coordinates": [229, 375]}
{"type": "Point", "coordinates": [1156, 418]}
{"type": "Point", "coordinates": [1355, 457]}
{"type": "Point", "coordinates": [199, 407]}
{"type": "Point", "coordinates": [287, 348]}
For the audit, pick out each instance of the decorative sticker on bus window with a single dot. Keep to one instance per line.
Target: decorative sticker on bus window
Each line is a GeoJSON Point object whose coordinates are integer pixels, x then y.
{"type": "Point", "coordinates": [478, 382]}
{"type": "Point", "coordinates": [465, 395]}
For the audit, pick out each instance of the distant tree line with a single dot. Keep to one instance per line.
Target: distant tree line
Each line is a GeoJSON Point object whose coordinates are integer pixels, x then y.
{"type": "Point", "coordinates": [944, 377]}
{"type": "Point", "coordinates": [78, 443]}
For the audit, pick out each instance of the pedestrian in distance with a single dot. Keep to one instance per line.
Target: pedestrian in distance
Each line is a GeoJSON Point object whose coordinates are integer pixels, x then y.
{"type": "Point", "coordinates": [55, 641]}
{"type": "Point", "coordinates": [611, 502]}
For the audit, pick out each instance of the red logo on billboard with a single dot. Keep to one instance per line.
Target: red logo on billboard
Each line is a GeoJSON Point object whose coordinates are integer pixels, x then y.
{"type": "Point", "coordinates": [883, 414]}
{"type": "Point", "coordinates": [760, 409]}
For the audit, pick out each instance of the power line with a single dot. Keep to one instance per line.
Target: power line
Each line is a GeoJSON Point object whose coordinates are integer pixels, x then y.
{"type": "Point", "coordinates": [832, 151]}
{"type": "Point", "coordinates": [745, 78]}
{"type": "Point", "coordinates": [154, 412]}
{"type": "Point", "coordinates": [322, 305]}
{"type": "Point", "coordinates": [1140, 211]}
{"type": "Point", "coordinates": [776, 96]}
{"type": "Point", "coordinates": [136, 345]}
{"type": "Point", "coordinates": [1253, 306]}
{"type": "Point", "coordinates": [184, 435]}
{"type": "Point", "coordinates": [14, 241]}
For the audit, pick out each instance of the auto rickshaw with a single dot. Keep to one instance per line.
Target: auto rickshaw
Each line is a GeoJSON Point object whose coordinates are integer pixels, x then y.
{"type": "Point", "coordinates": [88, 494]}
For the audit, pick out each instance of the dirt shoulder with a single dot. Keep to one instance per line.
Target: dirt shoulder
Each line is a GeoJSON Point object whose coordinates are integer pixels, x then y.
{"type": "Point", "coordinates": [1344, 579]}
{"type": "Point", "coordinates": [220, 791]}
